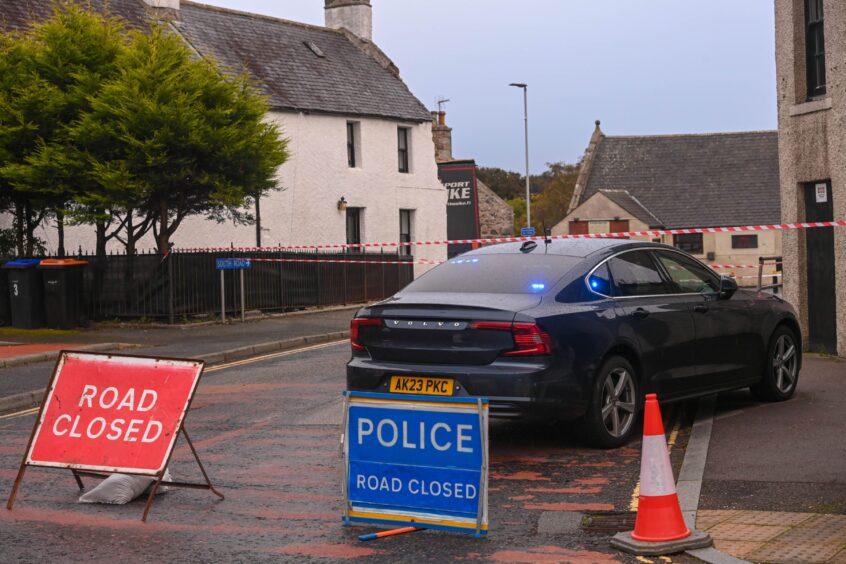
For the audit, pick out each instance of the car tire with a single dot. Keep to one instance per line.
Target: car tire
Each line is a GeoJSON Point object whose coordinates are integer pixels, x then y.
{"type": "Point", "coordinates": [611, 418]}
{"type": "Point", "coordinates": [781, 367]}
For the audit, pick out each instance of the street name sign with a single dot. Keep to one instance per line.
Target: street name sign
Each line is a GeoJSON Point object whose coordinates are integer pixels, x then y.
{"type": "Point", "coordinates": [416, 460]}
{"type": "Point", "coordinates": [527, 232]}
{"type": "Point", "coordinates": [107, 413]}
{"type": "Point", "coordinates": [233, 264]}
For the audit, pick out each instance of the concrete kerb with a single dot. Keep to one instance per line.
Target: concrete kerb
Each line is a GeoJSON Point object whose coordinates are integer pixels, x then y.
{"type": "Point", "coordinates": [33, 398]}
{"type": "Point", "coordinates": [52, 355]}
{"type": "Point", "coordinates": [689, 484]}
{"type": "Point", "coordinates": [234, 319]}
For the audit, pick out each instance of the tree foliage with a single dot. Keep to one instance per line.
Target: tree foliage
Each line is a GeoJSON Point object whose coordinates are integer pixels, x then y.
{"type": "Point", "coordinates": [505, 183]}
{"type": "Point", "coordinates": [549, 206]}
{"type": "Point", "coordinates": [128, 131]}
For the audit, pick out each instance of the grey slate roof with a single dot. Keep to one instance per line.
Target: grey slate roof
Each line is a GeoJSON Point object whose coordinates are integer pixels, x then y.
{"type": "Point", "coordinates": [18, 14]}
{"type": "Point", "coordinates": [632, 205]}
{"type": "Point", "coordinates": [710, 180]}
{"type": "Point", "coordinates": [346, 81]}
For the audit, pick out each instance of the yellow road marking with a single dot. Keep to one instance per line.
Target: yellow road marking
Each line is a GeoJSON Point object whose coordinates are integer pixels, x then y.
{"type": "Point", "coordinates": [671, 441]}
{"type": "Point", "coordinates": [273, 355]}
{"type": "Point", "coordinates": [20, 413]}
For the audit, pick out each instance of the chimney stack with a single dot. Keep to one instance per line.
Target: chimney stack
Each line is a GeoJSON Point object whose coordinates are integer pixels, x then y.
{"type": "Point", "coordinates": [442, 136]}
{"type": "Point", "coordinates": [354, 15]}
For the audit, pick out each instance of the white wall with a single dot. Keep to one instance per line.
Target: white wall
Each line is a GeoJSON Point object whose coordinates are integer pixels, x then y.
{"type": "Point", "coordinates": [315, 177]}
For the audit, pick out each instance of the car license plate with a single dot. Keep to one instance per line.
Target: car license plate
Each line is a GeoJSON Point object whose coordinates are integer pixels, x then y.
{"type": "Point", "coordinates": [421, 385]}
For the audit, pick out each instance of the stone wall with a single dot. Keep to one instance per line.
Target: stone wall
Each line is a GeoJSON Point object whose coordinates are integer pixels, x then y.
{"type": "Point", "coordinates": [496, 217]}
{"type": "Point", "coordinates": [812, 145]}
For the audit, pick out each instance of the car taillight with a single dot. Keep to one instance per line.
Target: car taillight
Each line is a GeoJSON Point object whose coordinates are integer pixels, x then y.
{"type": "Point", "coordinates": [354, 326]}
{"type": "Point", "coordinates": [529, 338]}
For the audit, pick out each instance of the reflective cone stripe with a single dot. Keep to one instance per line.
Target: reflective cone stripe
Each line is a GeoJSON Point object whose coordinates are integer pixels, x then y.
{"type": "Point", "coordinates": [659, 516]}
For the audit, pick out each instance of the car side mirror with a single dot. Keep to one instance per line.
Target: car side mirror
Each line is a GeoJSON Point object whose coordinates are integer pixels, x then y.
{"type": "Point", "coordinates": [728, 286]}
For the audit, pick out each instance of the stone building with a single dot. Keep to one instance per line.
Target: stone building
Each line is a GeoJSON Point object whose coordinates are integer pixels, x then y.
{"type": "Point", "coordinates": [637, 183]}
{"type": "Point", "coordinates": [811, 76]}
{"type": "Point", "coordinates": [496, 217]}
{"type": "Point", "coordinates": [361, 166]}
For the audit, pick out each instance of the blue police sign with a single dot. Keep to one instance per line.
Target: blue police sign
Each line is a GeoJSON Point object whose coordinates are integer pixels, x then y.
{"type": "Point", "coordinates": [416, 460]}
{"type": "Point", "coordinates": [233, 264]}
{"type": "Point", "coordinates": [527, 232]}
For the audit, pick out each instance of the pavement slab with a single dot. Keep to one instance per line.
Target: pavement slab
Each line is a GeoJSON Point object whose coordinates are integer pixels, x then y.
{"type": "Point", "coordinates": [776, 536]}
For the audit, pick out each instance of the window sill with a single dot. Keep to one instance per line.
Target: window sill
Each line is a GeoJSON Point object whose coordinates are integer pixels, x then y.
{"type": "Point", "coordinates": [810, 107]}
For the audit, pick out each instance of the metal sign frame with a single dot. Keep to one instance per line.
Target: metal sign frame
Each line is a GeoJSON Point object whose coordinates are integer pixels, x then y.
{"type": "Point", "coordinates": [422, 519]}
{"type": "Point", "coordinates": [80, 470]}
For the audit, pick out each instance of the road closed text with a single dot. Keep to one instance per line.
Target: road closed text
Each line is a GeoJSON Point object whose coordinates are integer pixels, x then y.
{"type": "Point", "coordinates": [123, 415]}
{"type": "Point", "coordinates": [415, 486]}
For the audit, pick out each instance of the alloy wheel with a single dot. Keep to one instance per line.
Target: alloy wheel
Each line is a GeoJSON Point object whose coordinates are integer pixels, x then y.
{"type": "Point", "coordinates": [618, 402]}
{"type": "Point", "coordinates": [785, 364]}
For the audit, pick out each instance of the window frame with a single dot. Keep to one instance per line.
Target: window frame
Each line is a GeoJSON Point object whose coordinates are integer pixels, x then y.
{"type": "Point", "coordinates": [701, 242]}
{"type": "Point", "coordinates": [738, 237]}
{"type": "Point", "coordinates": [353, 144]}
{"type": "Point", "coordinates": [403, 152]}
{"type": "Point", "coordinates": [405, 250]}
{"type": "Point", "coordinates": [815, 70]}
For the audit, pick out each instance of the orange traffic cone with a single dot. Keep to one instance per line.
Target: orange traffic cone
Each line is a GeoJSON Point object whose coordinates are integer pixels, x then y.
{"type": "Point", "coordinates": [659, 516]}
{"type": "Point", "coordinates": [659, 527]}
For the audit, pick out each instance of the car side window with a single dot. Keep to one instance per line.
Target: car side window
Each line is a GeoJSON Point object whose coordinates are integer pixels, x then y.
{"type": "Point", "coordinates": [689, 276]}
{"type": "Point", "coordinates": [636, 274]}
{"type": "Point", "coordinates": [600, 281]}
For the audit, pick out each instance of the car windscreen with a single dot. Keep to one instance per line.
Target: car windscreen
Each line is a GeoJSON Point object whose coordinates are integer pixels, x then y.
{"type": "Point", "coordinates": [495, 274]}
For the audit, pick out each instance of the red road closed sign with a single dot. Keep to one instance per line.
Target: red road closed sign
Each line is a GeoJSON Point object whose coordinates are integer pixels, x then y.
{"type": "Point", "coordinates": [113, 413]}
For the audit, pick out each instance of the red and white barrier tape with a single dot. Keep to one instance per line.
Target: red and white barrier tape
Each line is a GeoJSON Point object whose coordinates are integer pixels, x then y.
{"type": "Point", "coordinates": [729, 266]}
{"type": "Point", "coordinates": [418, 261]}
{"type": "Point", "coordinates": [652, 233]}
{"type": "Point", "coordinates": [437, 262]}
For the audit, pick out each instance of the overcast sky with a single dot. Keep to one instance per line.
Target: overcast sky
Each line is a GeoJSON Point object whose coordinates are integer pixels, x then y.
{"type": "Point", "coordinates": [641, 66]}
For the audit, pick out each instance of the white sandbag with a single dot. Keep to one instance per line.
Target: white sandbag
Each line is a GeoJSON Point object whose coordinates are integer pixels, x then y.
{"type": "Point", "coordinates": [121, 488]}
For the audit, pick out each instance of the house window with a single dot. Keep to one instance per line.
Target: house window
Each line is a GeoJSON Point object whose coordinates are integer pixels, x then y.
{"type": "Point", "coordinates": [353, 136]}
{"type": "Point", "coordinates": [405, 231]}
{"type": "Point", "coordinates": [354, 229]}
{"type": "Point", "coordinates": [402, 148]}
{"type": "Point", "coordinates": [815, 47]}
{"type": "Point", "coordinates": [744, 241]}
{"type": "Point", "coordinates": [689, 242]}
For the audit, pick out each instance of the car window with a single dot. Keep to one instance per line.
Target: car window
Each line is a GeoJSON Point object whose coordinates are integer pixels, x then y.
{"type": "Point", "coordinates": [635, 274]}
{"type": "Point", "coordinates": [687, 274]}
{"type": "Point", "coordinates": [514, 273]}
{"type": "Point", "coordinates": [600, 281]}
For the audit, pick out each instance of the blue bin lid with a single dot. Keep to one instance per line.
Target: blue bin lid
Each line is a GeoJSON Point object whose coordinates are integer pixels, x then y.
{"type": "Point", "coordinates": [22, 263]}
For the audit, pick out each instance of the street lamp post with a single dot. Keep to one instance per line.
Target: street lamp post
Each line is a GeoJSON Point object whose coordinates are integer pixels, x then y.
{"type": "Point", "coordinates": [526, 127]}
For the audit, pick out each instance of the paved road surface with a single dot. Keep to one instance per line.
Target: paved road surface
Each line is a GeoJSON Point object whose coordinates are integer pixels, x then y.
{"type": "Point", "coordinates": [788, 456]}
{"type": "Point", "coordinates": [269, 435]}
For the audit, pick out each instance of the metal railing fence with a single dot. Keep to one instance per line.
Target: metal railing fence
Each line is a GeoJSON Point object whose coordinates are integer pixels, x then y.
{"type": "Point", "coordinates": [187, 284]}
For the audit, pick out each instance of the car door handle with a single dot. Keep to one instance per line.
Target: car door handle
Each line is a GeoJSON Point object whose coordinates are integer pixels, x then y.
{"type": "Point", "coordinates": [640, 313]}
{"type": "Point", "coordinates": [701, 308]}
